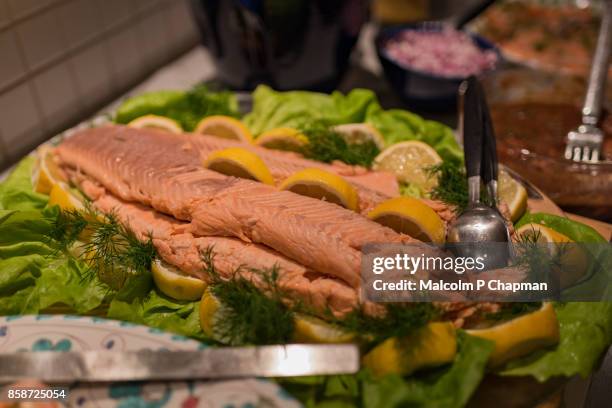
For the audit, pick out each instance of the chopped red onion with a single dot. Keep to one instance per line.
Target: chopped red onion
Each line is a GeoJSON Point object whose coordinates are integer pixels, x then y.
{"type": "Point", "coordinates": [447, 53]}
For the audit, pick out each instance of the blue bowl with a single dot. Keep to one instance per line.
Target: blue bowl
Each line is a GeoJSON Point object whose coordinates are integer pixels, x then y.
{"type": "Point", "coordinates": [418, 88]}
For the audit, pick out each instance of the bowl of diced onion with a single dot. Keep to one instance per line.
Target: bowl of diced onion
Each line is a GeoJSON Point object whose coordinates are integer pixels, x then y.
{"type": "Point", "coordinates": [425, 63]}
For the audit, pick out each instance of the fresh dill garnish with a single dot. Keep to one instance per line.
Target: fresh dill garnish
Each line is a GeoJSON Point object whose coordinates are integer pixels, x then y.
{"type": "Point", "coordinates": [258, 313]}
{"type": "Point", "coordinates": [542, 262]}
{"type": "Point", "coordinates": [67, 227]}
{"type": "Point", "coordinates": [112, 252]}
{"type": "Point", "coordinates": [187, 108]}
{"type": "Point", "coordinates": [452, 185]}
{"type": "Point", "coordinates": [251, 314]}
{"type": "Point", "coordinates": [327, 145]}
{"type": "Point", "coordinates": [400, 320]}
{"type": "Point", "coordinates": [201, 102]}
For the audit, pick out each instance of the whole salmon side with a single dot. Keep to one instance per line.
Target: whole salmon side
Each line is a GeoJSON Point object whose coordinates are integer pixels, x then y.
{"type": "Point", "coordinates": [160, 170]}
{"type": "Point", "coordinates": [183, 250]}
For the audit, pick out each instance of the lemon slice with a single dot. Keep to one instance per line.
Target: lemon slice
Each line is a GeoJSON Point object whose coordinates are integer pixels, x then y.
{"type": "Point", "coordinates": [156, 122]}
{"type": "Point", "coordinates": [409, 161]}
{"type": "Point", "coordinates": [513, 194]}
{"type": "Point", "coordinates": [310, 329]}
{"type": "Point", "coordinates": [212, 312]}
{"type": "Point", "coordinates": [239, 162]}
{"type": "Point", "coordinates": [174, 283]}
{"type": "Point", "coordinates": [46, 173]}
{"type": "Point", "coordinates": [322, 185]}
{"type": "Point", "coordinates": [572, 263]}
{"type": "Point", "coordinates": [542, 234]}
{"type": "Point", "coordinates": [62, 196]}
{"type": "Point", "coordinates": [410, 216]}
{"type": "Point", "coordinates": [521, 336]}
{"type": "Point", "coordinates": [283, 138]}
{"type": "Point", "coordinates": [209, 305]}
{"type": "Point", "coordinates": [225, 127]}
{"type": "Point", "coordinates": [431, 346]}
{"type": "Point", "coordinates": [359, 133]}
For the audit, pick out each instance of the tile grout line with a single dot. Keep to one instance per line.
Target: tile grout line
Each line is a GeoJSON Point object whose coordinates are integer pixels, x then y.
{"type": "Point", "coordinates": [14, 21]}
{"type": "Point", "coordinates": [107, 32]}
{"type": "Point", "coordinates": [31, 89]}
{"type": "Point", "coordinates": [69, 66]}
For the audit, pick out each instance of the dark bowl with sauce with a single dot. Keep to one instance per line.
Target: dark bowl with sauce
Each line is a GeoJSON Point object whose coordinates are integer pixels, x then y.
{"type": "Point", "coordinates": [532, 113]}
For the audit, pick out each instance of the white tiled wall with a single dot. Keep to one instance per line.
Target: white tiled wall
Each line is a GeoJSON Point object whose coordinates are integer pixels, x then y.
{"type": "Point", "coordinates": [61, 60]}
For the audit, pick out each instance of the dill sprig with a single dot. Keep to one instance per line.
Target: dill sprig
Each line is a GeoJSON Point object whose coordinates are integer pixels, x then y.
{"type": "Point", "coordinates": [251, 314]}
{"type": "Point", "coordinates": [259, 313]}
{"type": "Point", "coordinates": [327, 145]}
{"type": "Point", "coordinates": [452, 185]}
{"type": "Point", "coordinates": [401, 319]}
{"type": "Point", "coordinates": [542, 262]}
{"type": "Point", "coordinates": [111, 252]}
{"type": "Point", "coordinates": [201, 102]}
{"type": "Point", "coordinates": [67, 227]}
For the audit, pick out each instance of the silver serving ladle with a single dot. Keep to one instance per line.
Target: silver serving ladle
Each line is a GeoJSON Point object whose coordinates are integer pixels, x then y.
{"type": "Point", "coordinates": [479, 223]}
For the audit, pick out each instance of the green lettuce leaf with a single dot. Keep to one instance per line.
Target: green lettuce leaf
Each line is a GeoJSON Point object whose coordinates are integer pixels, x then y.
{"type": "Point", "coordinates": [297, 109]}
{"type": "Point", "coordinates": [447, 387]}
{"type": "Point", "coordinates": [574, 230]}
{"type": "Point", "coordinates": [398, 125]}
{"type": "Point", "coordinates": [586, 332]}
{"type": "Point", "coordinates": [36, 277]}
{"type": "Point", "coordinates": [16, 191]}
{"type": "Point", "coordinates": [160, 312]}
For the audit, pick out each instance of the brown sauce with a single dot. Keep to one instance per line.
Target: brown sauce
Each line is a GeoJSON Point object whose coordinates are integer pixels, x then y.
{"type": "Point", "coordinates": [531, 141]}
{"type": "Point", "coordinates": [541, 128]}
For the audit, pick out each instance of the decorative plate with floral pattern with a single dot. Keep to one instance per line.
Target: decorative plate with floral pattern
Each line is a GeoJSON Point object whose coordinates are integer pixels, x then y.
{"type": "Point", "coordinates": [74, 333]}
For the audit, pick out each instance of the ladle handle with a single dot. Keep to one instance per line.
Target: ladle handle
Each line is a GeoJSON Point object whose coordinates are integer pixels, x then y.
{"type": "Point", "coordinates": [490, 166]}
{"type": "Point", "coordinates": [472, 136]}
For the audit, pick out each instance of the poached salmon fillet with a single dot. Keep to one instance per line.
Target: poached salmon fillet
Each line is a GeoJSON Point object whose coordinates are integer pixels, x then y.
{"type": "Point", "coordinates": [164, 171]}
{"type": "Point", "coordinates": [182, 249]}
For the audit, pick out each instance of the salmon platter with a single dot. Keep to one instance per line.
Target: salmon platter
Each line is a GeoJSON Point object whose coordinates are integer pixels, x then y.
{"type": "Point", "coordinates": [186, 215]}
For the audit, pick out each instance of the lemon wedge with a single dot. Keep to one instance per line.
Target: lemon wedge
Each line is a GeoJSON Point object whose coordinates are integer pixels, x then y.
{"type": "Point", "coordinates": [62, 196]}
{"type": "Point", "coordinates": [322, 185]}
{"type": "Point", "coordinates": [431, 346]}
{"type": "Point", "coordinates": [410, 216]}
{"type": "Point", "coordinates": [409, 162]}
{"type": "Point", "coordinates": [542, 234]}
{"type": "Point", "coordinates": [513, 194]}
{"type": "Point", "coordinates": [174, 283]}
{"type": "Point", "coordinates": [309, 329]}
{"type": "Point", "coordinates": [156, 122]}
{"type": "Point", "coordinates": [359, 133]}
{"type": "Point", "coordinates": [46, 173]}
{"type": "Point", "coordinates": [283, 138]}
{"type": "Point", "coordinates": [225, 127]}
{"type": "Point", "coordinates": [239, 162]}
{"type": "Point", "coordinates": [521, 336]}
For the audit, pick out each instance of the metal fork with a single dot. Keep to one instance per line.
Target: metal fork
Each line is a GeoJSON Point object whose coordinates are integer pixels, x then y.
{"type": "Point", "coordinates": [584, 144]}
